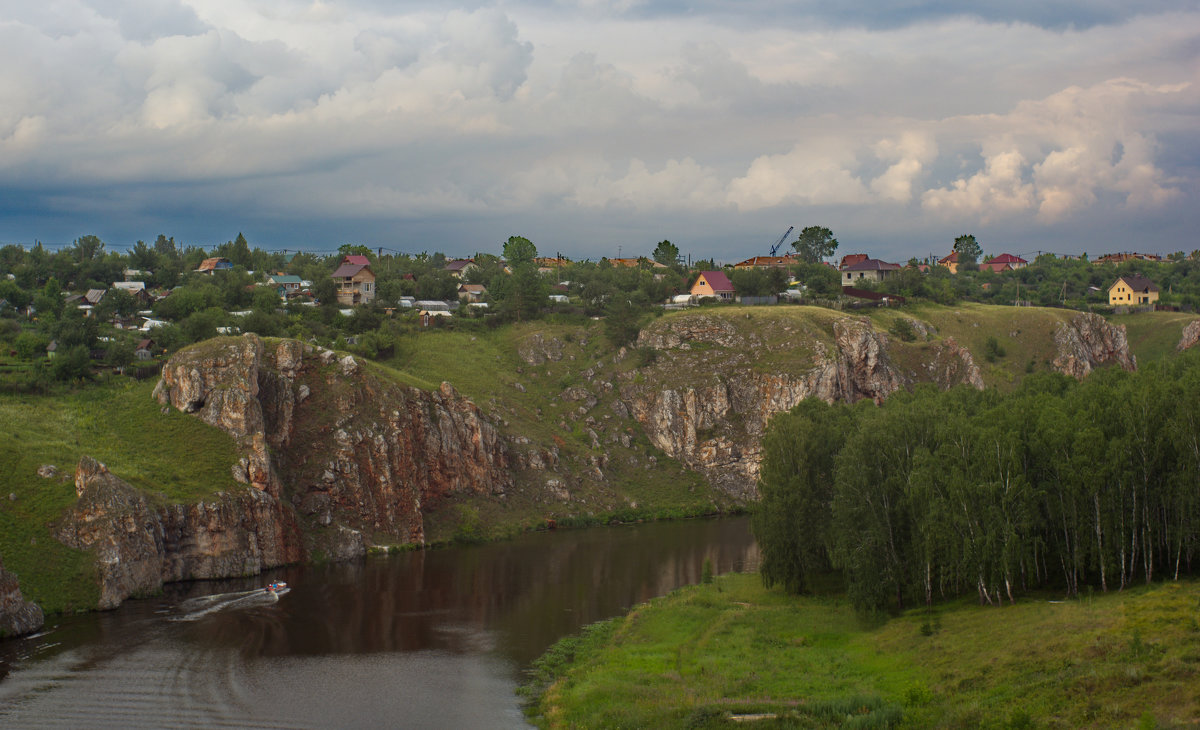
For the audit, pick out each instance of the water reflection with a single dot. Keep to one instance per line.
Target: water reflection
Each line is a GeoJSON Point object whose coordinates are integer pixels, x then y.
{"type": "Point", "coordinates": [353, 643]}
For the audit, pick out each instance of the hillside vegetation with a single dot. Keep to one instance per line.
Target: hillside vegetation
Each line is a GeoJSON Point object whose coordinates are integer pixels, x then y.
{"type": "Point", "coordinates": [173, 457]}
{"type": "Point", "coordinates": [705, 654]}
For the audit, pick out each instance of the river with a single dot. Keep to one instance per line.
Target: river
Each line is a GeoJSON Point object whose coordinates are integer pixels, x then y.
{"type": "Point", "coordinates": [425, 639]}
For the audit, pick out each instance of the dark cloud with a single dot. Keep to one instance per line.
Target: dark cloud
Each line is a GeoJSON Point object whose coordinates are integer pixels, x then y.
{"type": "Point", "coordinates": [881, 14]}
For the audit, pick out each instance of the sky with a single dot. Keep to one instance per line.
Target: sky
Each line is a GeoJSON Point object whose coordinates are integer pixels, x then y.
{"type": "Point", "coordinates": [601, 127]}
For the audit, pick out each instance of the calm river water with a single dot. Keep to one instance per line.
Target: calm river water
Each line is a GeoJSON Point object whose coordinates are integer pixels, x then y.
{"type": "Point", "coordinates": [434, 639]}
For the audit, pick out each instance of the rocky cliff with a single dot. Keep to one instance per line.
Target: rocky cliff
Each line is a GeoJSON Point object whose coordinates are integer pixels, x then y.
{"type": "Point", "coordinates": [351, 450]}
{"type": "Point", "coordinates": [714, 420]}
{"type": "Point", "coordinates": [17, 616]}
{"type": "Point", "coordinates": [1088, 340]}
{"type": "Point", "coordinates": [139, 546]}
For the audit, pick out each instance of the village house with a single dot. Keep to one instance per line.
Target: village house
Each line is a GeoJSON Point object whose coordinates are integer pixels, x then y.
{"type": "Point", "coordinates": [458, 268]}
{"type": "Point", "coordinates": [1120, 258]}
{"type": "Point", "coordinates": [868, 270]}
{"type": "Point", "coordinates": [1132, 290]}
{"type": "Point", "coordinates": [713, 284]}
{"type": "Point", "coordinates": [136, 289]}
{"type": "Point", "coordinates": [354, 280]}
{"type": "Point", "coordinates": [144, 349]}
{"type": "Point", "coordinates": [285, 284]}
{"type": "Point", "coordinates": [950, 262]}
{"type": "Point", "coordinates": [1013, 262]}
{"type": "Point", "coordinates": [471, 292]}
{"type": "Point", "coordinates": [768, 262]}
{"type": "Point", "coordinates": [208, 266]}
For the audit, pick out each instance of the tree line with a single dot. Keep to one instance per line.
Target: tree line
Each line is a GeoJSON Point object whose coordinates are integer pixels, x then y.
{"type": "Point", "coordinates": [1059, 485]}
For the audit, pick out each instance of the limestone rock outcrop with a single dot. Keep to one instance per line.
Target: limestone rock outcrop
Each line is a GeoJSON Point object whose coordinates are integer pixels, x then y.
{"type": "Point", "coordinates": [1088, 340]}
{"type": "Point", "coordinates": [716, 426]}
{"type": "Point", "coordinates": [17, 616]}
{"type": "Point", "coordinates": [952, 364]}
{"type": "Point", "coordinates": [139, 546]}
{"type": "Point", "coordinates": [1191, 335]}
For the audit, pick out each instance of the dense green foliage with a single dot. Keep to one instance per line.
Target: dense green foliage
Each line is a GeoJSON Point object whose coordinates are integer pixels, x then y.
{"type": "Point", "coordinates": [932, 494]}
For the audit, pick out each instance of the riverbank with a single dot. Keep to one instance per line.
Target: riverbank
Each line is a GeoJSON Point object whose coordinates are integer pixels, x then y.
{"type": "Point", "coordinates": [705, 653]}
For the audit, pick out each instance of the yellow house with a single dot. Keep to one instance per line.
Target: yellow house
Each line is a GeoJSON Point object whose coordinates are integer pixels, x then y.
{"type": "Point", "coordinates": [713, 284]}
{"type": "Point", "coordinates": [1132, 290]}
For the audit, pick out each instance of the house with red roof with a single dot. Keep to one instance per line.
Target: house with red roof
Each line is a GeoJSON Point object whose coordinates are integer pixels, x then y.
{"type": "Point", "coordinates": [1003, 262]}
{"type": "Point", "coordinates": [713, 284]}
{"type": "Point", "coordinates": [950, 262]}
{"type": "Point", "coordinates": [851, 259]}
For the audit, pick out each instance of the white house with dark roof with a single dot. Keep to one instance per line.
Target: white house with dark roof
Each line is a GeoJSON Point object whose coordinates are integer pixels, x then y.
{"type": "Point", "coordinates": [868, 270]}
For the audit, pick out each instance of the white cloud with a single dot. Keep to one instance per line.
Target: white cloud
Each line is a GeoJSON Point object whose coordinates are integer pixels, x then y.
{"type": "Point", "coordinates": [814, 172]}
{"type": "Point", "coordinates": [909, 154]}
{"type": "Point", "coordinates": [1056, 156]}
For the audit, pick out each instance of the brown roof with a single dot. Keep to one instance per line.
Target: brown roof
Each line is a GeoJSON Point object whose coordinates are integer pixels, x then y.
{"type": "Point", "coordinates": [348, 270]}
{"type": "Point", "coordinates": [1137, 282]}
{"type": "Point", "coordinates": [873, 265]}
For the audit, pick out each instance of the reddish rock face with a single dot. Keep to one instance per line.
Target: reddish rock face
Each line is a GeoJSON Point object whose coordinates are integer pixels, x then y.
{"type": "Point", "coordinates": [335, 441]}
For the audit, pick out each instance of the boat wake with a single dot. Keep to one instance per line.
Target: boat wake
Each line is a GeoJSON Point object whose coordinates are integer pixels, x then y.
{"type": "Point", "coordinates": [195, 609]}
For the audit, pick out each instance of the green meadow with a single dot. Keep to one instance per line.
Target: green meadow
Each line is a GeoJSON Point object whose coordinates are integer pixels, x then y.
{"type": "Point", "coordinates": [732, 653]}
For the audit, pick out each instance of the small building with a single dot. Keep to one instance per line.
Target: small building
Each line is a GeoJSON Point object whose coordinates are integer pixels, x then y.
{"type": "Point", "coordinates": [768, 262]}
{"type": "Point", "coordinates": [713, 284]}
{"type": "Point", "coordinates": [93, 296]}
{"type": "Point", "coordinates": [144, 349]}
{"type": "Point", "coordinates": [1132, 290]}
{"type": "Point", "coordinates": [471, 292]}
{"type": "Point", "coordinates": [218, 263]}
{"type": "Point", "coordinates": [354, 280]}
{"type": "Point", "coordinates": [136, 289]}
{"type": "Point", "coordinates": [868, 270]}
{"type": "Point", "coordinates": [285, 284]}
{"type": "Point", "coordinates": [1014, 262]}
{"type": "Point", "coordinates": [458, 268]}
{"type": "Point", "coordinates": [950, 262]}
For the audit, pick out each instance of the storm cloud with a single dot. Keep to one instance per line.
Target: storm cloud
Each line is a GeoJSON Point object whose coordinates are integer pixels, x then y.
{"type": "Point", "coordinates": [595, 124]}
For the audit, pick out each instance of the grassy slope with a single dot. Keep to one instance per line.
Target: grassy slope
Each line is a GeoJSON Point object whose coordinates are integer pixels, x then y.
{"type": "Point", "coordinates": [485, 366]}
{"type": "Point", "coordinates": [686, 659]}
{"type": "Point", "coordinates": [172, 456]}
{"type": "Point", "coordinates": [1153, 335]}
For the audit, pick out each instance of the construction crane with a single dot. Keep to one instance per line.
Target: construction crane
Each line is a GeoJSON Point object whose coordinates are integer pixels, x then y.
{"type": "Point", "coordinates": [775, 248]}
